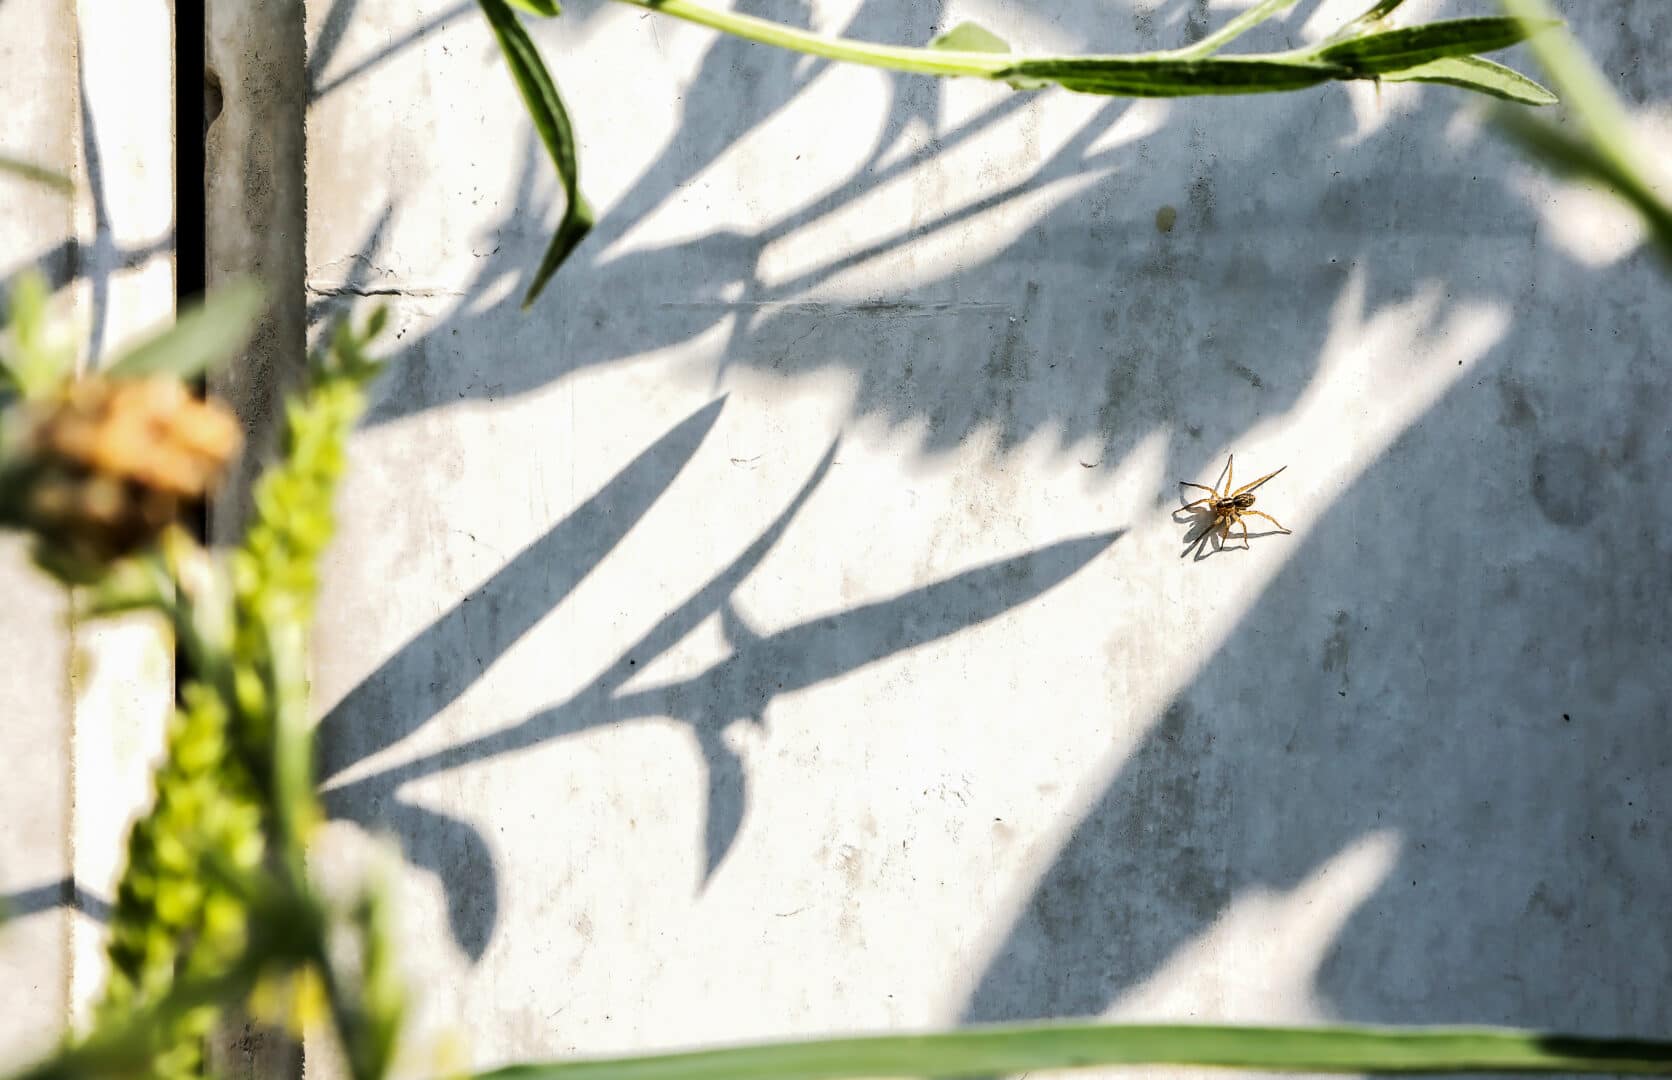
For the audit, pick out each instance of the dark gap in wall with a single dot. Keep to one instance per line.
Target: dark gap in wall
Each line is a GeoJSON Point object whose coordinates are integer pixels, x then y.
{"type": "Point", "coordinates": [194, 94]}
{"type": "Point", "coordinates": [197, 101]}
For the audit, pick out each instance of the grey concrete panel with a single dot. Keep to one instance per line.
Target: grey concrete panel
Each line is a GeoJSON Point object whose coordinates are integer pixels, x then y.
{"type": "Point", "coordinates": [880, 695]}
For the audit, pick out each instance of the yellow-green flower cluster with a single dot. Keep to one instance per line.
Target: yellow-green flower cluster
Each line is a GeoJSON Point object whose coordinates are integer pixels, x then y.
{"type": "Point", "coordinates": [183, 904]}
{"type": "Point", "coordinates": [275, 571]}
{"type": "Point", "coordinates": [179, 907]}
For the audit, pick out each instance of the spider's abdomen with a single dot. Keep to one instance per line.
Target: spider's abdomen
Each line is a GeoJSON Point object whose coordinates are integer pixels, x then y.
{"type": "Point", "coordinates": [1238, 502]}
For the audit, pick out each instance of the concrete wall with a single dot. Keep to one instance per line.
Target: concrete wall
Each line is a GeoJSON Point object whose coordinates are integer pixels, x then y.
{"type": "Point", "coordinates": [90, 94]}
{"type": "Point", "coordinates": [783, 627]}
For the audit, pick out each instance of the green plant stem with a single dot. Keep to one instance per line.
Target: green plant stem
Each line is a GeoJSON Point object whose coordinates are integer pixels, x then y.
{"type": "Point", "coordinates": [1008, 1050]}
{"type": "Point", "coordinates": [295, 806]}
{"type": "Point", "coordinates": [892, 57]}
{"type": "Point", "coordinates": [924, 61]}
{"type": "Point", "coordinates": [1232, 30]}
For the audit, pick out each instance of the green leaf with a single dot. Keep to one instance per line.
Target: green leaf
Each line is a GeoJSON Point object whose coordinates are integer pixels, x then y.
{"type": "Point", "coordinates": [133, 584]}
{"type": "Point", "coordinates": [551, 120]}
{"type": "Point", "coordinates": [37, 359]}
{"type": "Point", "coordinates": [203, 336]}
{"type": "Point", "coordinates": [970, 37]}
{"type": "Point", "coordinates": [1127, 76]}
{"type": "Point", "coordinates": [30, 171]}
{"type": "Point", "coordinates": [1011, 1050]}
{"type": "Point", "coordinates": [1479, 74]}
{"type": "Point", "coordinates": [546, 8]}
{"type": "Point", "coordinates": [1393, 50]}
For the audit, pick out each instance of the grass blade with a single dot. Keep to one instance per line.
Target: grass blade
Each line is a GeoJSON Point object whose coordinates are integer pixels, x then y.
{"type": "Point", "coordinates": [1394, 50]}
{"type": "Point", "coordinates": [205, 335]}
{"type": "Point", "coordinates": [1479, 74]}
{"type": "Point", "coordinates": [30, 171]}
{"type": "Point", "coordinates": [551, 120]}
{"type": "Point", "coordinates": [545, 8]}
{"type": "Point", "coordinates": [1011, 1050]}
{"type": "Point", "coordinates": [1606, 153]}
{"type": "Point", "coordinates": [1568, 155]}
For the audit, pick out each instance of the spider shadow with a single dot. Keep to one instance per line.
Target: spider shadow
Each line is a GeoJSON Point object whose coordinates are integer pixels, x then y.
{"type": "Point", "coordinates": [1203, 529]}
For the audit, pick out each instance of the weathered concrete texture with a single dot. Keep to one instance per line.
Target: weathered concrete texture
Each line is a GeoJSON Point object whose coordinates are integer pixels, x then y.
{"type": "Point", "coordinates": [255, 198]}
{"type": "Point", "coordinates": [83, 706]}
{"type": "Point", "coordinates": [878, 695]}
{"type": "Point", "coordinates": [34, 815]}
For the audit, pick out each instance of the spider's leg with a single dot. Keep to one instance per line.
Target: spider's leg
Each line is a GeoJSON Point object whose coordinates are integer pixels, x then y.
{"type": "Point", "coordinates": [1269, 518]}
{"type": "Point", "coordinates": [1228, 462]}
{"type": "Point", "coordinates": [1244, 525]}
{"type": "Point", "coordinates": [1255, 484]}
{"type": "Point", "coordinates": [1191, 483]}
{"type": "Point", "coordinates": [1198, 502]}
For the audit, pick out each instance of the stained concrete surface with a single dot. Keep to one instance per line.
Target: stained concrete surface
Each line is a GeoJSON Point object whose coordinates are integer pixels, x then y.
{"type": "Point", "coordinates": [783, 628]}
{"type": "Point", "coordinates": [34, 861]}
{"type": "Point", "coordinates": [82, 706]}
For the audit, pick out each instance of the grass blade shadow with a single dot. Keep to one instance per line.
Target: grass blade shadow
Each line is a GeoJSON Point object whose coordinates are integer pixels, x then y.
{"type": "Point", "coordinates": [433, 669]}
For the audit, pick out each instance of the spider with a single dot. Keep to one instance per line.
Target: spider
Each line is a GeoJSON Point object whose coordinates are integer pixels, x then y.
{"type": "Point", "coordinates": [1229, 509]}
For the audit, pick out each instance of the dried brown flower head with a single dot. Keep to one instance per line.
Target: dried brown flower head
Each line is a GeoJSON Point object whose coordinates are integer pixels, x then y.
{"type": "Point", "coordinates": [100, 469]}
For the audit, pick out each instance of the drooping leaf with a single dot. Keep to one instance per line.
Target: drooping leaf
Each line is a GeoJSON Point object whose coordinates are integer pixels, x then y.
{"type": "Point", "coordinates": [1479, 74]}
{"type": "Point", "coordinates": [970, 37]}
{"type": "Point", "coordinates": [551, 120]}
{"type": "Point", "coordinates": [545, 8]}
{"type": "Point", "coordinates": [1407, 47]}
{"type": "Point", "coordinates": [202, 336]}
{"type": "Point", "coordinates": [30, 171]}
{"type": "Point", "coordinates": [1127, 76]}
{"type": "Point", "coordinates": [1020, 1049]}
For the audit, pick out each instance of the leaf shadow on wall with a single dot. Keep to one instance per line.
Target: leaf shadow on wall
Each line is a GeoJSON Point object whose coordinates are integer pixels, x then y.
{"type": "Point", "coordinates": [1472, 669]}
{"type": "Point", "coordinates": [741, 688]}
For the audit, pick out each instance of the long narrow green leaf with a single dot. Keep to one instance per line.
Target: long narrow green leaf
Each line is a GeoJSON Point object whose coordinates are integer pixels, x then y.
{"type": "Point", "coordinates": [544, 8]}
{"type": "Point", "coordinates": [1479, 74]}
{"type": "Point", "coordinates": [30, 171]}
{"type": "Point", "coordinates": [1131, 76]}
{"type": "Point", "coordinates": [203, 336]}
{"type": "Point", "coordinates": [1234, 29]}
{"type": "Point", "coordinates": [1393, 50]}
{"type": "Point", "coordinates": [1008, 1050]}
{"type": "Point", "coordinates": [551, 120]}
